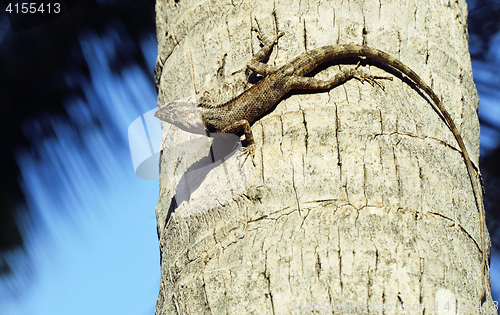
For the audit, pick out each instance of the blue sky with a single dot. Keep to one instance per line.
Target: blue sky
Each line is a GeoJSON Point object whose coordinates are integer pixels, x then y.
{"type": "Point", "coordinates": [95, 250]}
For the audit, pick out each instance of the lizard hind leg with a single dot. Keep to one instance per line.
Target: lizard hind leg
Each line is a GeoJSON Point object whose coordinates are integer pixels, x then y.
{"type": "Point", "coordinates": [308, 83]}
{"type": "Point", "coordinates": [372, 79]}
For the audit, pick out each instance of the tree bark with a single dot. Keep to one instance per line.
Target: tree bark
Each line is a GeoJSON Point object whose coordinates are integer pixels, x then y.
{"type": "Point", "coordinates": [359, 199]}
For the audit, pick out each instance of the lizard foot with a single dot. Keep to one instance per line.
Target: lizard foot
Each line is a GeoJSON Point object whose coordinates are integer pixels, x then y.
{"type": "Point", "coordinates": [249, 151]}
{"type": "Point", "coordinates": [372, 79]}
{"type": "Point", "coordinates": [266, 41]}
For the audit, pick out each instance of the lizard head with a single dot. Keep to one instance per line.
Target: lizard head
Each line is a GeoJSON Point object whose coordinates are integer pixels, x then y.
{"type": "Point", "coordinates": [183, 114]}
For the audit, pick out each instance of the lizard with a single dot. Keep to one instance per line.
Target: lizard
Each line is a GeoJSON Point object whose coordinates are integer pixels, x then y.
{"type": "Point", "coordinates": [237, 115]}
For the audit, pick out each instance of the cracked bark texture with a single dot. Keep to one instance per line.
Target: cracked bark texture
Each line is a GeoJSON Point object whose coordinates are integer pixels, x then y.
{"type": "Point", "coordinates": [358, 195]}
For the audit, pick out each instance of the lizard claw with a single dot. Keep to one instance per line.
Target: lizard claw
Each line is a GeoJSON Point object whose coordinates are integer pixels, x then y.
{"type": "Point", "coordinates": [372, 79]}
{"type": "Point", "coordinates": [249, 151]}
{"type": "Point", "coordinates": [264, 39]}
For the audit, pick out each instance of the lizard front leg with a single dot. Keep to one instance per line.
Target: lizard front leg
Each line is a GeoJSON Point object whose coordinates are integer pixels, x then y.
{"type": "Point", "coordinates": [239, 126]}
{"type": "Point", "coordinates": [259, 67]}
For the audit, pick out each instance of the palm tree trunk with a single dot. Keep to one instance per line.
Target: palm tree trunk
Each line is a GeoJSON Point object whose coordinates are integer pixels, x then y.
{"type": "Point", "coordinates": [359, 199]}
